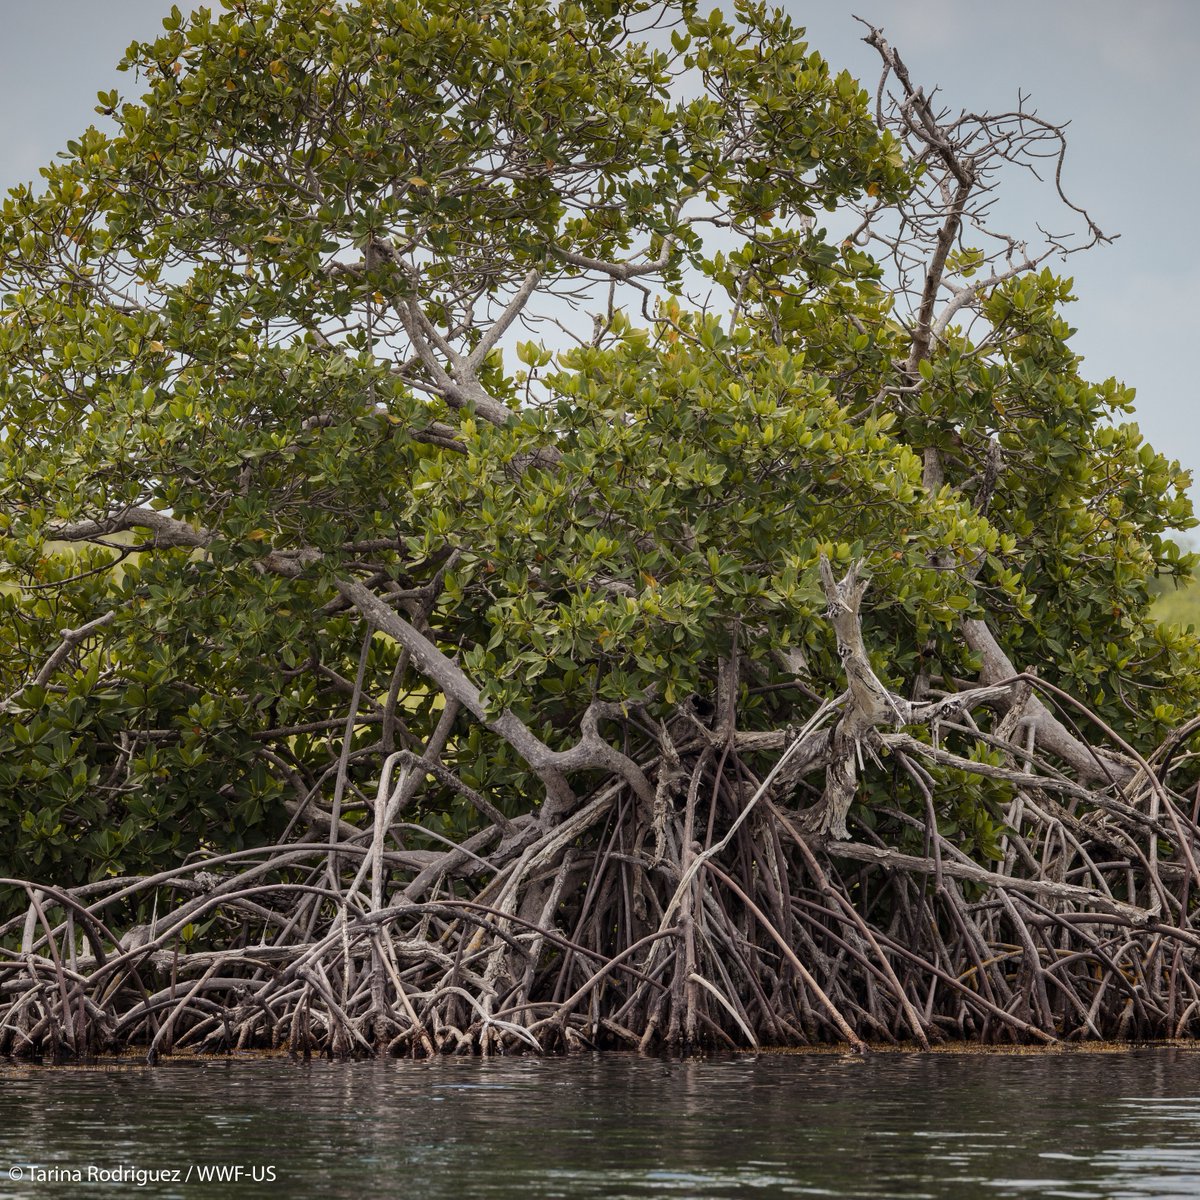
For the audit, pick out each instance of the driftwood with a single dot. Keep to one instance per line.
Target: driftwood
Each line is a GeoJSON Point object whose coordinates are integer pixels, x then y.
{"type": "Point", "coordinates": [689, 902]}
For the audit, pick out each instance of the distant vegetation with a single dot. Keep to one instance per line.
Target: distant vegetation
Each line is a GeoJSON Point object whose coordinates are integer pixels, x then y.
{"type": "Point", "coordinates": [1178, 602]}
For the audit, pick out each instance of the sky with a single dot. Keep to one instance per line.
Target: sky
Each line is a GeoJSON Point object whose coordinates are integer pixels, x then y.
{"type": "Point", "coordinates": [1123, 75]}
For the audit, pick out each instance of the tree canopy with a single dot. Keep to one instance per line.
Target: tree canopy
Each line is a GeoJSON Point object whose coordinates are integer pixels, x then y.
{"type": "Point", "coordinates": [464, 436]}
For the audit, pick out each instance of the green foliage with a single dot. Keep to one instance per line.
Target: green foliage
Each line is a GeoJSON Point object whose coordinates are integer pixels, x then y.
{"type": "Point", "coordinates": [224, 310]}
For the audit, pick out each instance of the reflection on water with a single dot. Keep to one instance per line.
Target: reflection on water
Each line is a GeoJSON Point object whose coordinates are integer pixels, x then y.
{"type": "Point", "coordinates": [893, 1125]}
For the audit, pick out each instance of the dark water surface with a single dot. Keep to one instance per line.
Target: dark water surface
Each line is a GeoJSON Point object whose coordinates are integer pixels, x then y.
{"type": "Point", "coordinates": [894, 1125]}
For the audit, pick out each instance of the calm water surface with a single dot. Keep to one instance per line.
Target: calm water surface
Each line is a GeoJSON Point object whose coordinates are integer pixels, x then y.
{"type": "Point", "coordinates": [894, 1125]}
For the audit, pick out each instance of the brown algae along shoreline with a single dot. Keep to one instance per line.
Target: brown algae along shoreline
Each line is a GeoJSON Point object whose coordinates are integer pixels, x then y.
{"type": "Point", "coordinates": [137, 1058]}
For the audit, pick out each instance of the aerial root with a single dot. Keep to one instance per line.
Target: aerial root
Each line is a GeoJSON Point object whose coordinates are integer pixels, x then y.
{"type": "Point", "coordinates": [621, 927]}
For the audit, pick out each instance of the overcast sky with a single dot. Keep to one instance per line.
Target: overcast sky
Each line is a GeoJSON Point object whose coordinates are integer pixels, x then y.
{"type": "Point", "coordinates": [1124, 74]}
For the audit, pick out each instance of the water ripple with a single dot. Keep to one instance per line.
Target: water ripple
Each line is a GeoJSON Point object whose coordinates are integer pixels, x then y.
{"type": "Point", "coordinates": [927, 1127]}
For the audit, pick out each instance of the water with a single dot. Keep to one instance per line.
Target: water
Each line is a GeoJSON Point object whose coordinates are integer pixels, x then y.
{"type": "Point", "coordinates": [894, 1125]}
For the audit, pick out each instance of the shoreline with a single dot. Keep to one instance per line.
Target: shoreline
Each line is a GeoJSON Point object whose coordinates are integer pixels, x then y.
{"type": "Point", "coordinates": [136, 1058]}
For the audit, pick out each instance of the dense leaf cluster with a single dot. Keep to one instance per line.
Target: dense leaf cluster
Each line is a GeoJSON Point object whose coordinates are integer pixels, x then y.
{"type": "Point", "coordinates": [268, 303]}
